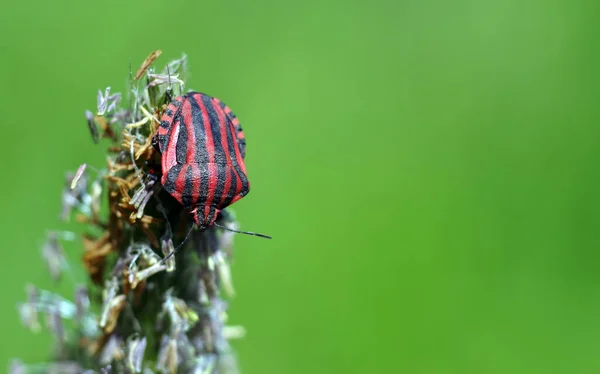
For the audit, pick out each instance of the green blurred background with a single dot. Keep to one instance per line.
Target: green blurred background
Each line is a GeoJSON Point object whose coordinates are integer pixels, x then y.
{"type": "Point", "coordinates": [429, 171]}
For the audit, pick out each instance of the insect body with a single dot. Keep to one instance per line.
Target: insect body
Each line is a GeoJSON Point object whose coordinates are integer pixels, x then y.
{"type": "Point", "coordinates": [202, 149]}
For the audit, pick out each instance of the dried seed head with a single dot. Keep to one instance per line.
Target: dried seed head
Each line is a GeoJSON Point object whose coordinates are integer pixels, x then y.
{"type": "Point", "coordinates": [192, 336]}
{"type": "Point", "coordinates": [107, 103]}
{"type": "Point", "coordinates": [112, 350]}
{"type": "Point", "coordinates": [167, 247]}
{"type": "Point", "coordinates": [234, 332]}
{"type": "Point", "coordinates": [114, 311]}
{"type": "Point", "coordinates": [227, 363]}
{"type": "Point", "coordinates": [75, 197]}
{"type": "Point", "coordinates": [137, 124]}
{"type": "Point", "coordinates": [45, 302]}
{"type": "Point", "coordinates": [61, 367]}
{"type": "Point", "coordinates": [54, 323]}
{"type": "Point", "coordinates": [135, 353]}
{"type": "Point", "coordinates": [205, 364]}
{"type": "Point", "coordinates": [186, 316]}
{"type": "Point", "coordinates": [29, 316]}
{"type": "Point", "coordinates": [112, 306]}
{"type": "Point", "coordinates": [66, 367]}
{"type": "Point", "coordinates": [147, 62]}
{"type": "Point", "coordinates": [78, 175]}
{"type": "Point", "coordinates": [159, 79]}
{"type": "Point", "coordinates": [17, 367]}
{"type": "Point", "coordinates": [168, 358]}
{"type": "Point", "coordinates": [142, 196]}
{"type": "Point", "coordinates": [120, 115]}
{"type": "Point", "coordinates": [185, 349]}
{"type": "Point", "coordinates": [96, 194]}
{"type": "Point", "coordinates": [113, 102]}
{"type": "Point", "coordinates": [168, 309]}
{"type": "Point", "coordinates": [144, 263]}
{"type": "Point", "coordinates": [202, 294]}
{"type": "Point", "coordinates": [102, 101]}
{"type": "Point", "coordinates": [208, 279]}
{"type": "Point", "coordinates": [82, 301]}
{"type": "Point", "coordinates": [53, 255]}
{"type": "Point", "coordinates": [89, 116]}
{"type": "Point", "coordinates": [224, 273]}
{"type": "Point", "coordinates": [28, 310]}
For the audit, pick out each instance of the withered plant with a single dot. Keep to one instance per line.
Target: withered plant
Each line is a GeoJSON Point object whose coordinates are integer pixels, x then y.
{"type": "Point", "coordinates": [137, 313]}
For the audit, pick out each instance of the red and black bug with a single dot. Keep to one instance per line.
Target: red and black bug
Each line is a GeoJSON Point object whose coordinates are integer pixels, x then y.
{"type": "Point", "coordinates": [202, 148]}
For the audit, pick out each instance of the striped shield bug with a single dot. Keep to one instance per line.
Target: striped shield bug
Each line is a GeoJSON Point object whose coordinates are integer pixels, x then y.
{"type": "Point", "coordinates": [202, 149]}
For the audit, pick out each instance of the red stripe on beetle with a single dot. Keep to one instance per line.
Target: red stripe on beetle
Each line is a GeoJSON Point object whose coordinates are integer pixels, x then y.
{"type": "Point", "coordinates": [180, 182]}
{"type": "Point", "coordinates": [212, 186]}
{"type": "Point", "coordinates": [226, 187]}
{"type": "Point", "coordinates": [186, 112]}
{"type": "Point", "coordinates": [169, 156]}
{"type": "Point", "coordinates": [196, 180]}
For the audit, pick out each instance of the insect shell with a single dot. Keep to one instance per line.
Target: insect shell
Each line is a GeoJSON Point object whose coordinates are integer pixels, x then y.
{"type": "Point", "coordinates": [202, 149]}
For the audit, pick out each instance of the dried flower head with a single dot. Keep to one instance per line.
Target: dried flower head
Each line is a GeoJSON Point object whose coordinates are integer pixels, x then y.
{"type": "Point", "coordinates": [138, 313]}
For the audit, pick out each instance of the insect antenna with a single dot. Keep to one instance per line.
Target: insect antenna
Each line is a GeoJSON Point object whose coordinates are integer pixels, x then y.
{"type": "Point", "coordinates": [243, 232]}
{"type": "Point", "coordinates": [179, 246]}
